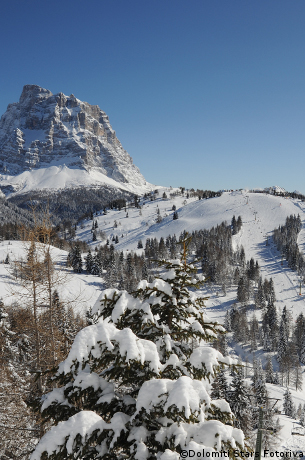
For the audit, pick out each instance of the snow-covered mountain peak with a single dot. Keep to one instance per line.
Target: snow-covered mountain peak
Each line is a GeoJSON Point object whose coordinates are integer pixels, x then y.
{"type": "Point", "coordinates": [32, 93]}
{"type": "Point", "coordinates": [44, 130]}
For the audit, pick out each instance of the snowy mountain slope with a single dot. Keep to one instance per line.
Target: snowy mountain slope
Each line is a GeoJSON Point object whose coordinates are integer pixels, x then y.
{"type": "Point", "coordinates": [51, 132]}
{"type": "Point", "coordinates": [61, 177]}
{"type": "Point", "coordinates": [260, 213]}
{"type": "Point", "coordinates": [81, 291]}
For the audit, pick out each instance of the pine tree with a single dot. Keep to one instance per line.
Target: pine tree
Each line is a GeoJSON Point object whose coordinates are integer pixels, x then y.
{"type": "Point", "coordinates": [89, 262]}
{"type": "Point", "coordinates": [254, 333]}
{"type": "Point", "coordinates": [239, 403]}
{"type": "Point", "coordinates": [283, 343]}
{"type": "Point", "coordinates": [243, 290]}
{"type": "Point", "coordinates": [288, 405]}
{"type": "Point", "coordinates": [270, 319]}
{"type": "Point", "coordinates": [76, 261]}
{"type": "Point", "coordinates": [136, 377]}
{"type": "Point", "coordinates": [220, 386]}
{"type": "Point", "coordinates": [299, 334]}
{"type": "Point", "coordinates": [302, 416]}
{"type": "Point", "coordinates": [269, 370]}
{"type": "Point", "coordinates": [259, 383]}
{"type": "Point", "coordinates": [260, 299]}
{"type": "Point", "coordinates": [227, 323]}
{"type": "Point", "coordinates": [234, 226]}
{"type": "Point", "coordinates": [297, 376]}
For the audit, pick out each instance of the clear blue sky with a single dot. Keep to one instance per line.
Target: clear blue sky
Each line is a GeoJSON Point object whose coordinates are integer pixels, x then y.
{"type": "Point", "coordinates": [205, 93]}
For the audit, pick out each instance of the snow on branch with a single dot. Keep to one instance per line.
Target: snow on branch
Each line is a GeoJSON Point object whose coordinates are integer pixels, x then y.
{"type": "Point", "coordinates": [94, 339]}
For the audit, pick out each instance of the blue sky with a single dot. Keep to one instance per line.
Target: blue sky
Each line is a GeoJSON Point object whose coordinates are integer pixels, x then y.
{"type": "Point", "coordinates": [205, 94]}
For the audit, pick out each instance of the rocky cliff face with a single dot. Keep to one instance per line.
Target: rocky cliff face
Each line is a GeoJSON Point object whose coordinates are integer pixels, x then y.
{"type": "Point", "coordinates": [45, 129]}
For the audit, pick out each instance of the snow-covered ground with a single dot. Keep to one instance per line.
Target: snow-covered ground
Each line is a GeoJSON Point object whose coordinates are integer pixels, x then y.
{"type": "Point", "coordinates": [59, 176]}
{"type": "Point", "coordinates": [79, 291]}
{"type": "Point", "coordinates": [260, 214]}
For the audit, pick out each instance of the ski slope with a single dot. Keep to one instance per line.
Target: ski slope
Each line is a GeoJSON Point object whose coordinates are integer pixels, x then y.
{"type": "Point", "coordinates": [260, 213]}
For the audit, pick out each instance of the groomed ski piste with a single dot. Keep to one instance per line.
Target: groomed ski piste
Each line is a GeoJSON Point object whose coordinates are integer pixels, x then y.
{"type": "Point", "coordinates": [260, 214]}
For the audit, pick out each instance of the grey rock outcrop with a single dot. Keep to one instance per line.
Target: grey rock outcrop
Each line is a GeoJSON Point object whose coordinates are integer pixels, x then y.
{"type": "Point", "coordinates": [45, 129]}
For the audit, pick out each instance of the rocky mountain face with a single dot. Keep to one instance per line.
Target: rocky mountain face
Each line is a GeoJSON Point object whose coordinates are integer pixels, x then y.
{"type": "Point", "coordinates": [45, 129]}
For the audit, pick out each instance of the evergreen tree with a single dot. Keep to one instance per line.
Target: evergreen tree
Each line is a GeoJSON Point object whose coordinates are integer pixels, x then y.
{"type": "Point", "coordinates": [77, 262]}
{"type": "Point", "coordinates": [136, 377]}
{"type": "Point", "coordinates": [302, 416]}
{"type": "Point", "coordinates": [89, 262]}
{"type": "Point", "coordinates": [252, 269]}
{"type": "Point", "coordinates": [258, 383]}
{"type": "Point", "coordinates": [15, 387]}
{"type": "Point", "coordinates": [234, 226]}
{"type": "Point", "coordinates": [299, 335]}
{"type": "Point", "coordinates": [302, 351]}
{"type": "Point", "coordinates": [254, 333]}
{"type": "Point", "coordinates": [270, 319]}
{"type": "Point", "coordinates": [243, 294]}
{"type": "Point", "coordinates": [267, 344]}
{"type": "Point", "coordinates": [220, 386]}
{"type": "Point", "coordinates": [239, 403]}
{"type": "Point", "coordinates": [239, 223]}
{"type": "Point", "coordinates": [298, 377]}
{"type": "Point", "coordinates": [227, 323]}
{"type": "Point", "coordinates": [283, 343]}
{"type": "Point", "coordinates": [269, 370]}
{"type": "Point", "coordinates": [288, 405]}
{"type": "Point", "coordinates": [260, 298]}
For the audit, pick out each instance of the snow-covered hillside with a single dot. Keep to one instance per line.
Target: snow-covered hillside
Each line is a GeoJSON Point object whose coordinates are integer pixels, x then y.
{"type": "Point", "coordinates": [59, 177]}
{"type": "Point", "coordinates": [260, 213]}
{"type": "Point", "coordinates": [80, 291]}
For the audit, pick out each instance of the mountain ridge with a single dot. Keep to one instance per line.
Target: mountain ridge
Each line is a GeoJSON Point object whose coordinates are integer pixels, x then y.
{"type": "Point", "coordinates": [46, 130]}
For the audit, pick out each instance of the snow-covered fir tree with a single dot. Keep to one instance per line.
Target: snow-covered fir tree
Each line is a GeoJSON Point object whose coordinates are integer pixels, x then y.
{"type": "Point", "coordinates": [259, 383]}
{"type": "Point", "coordinates": [134, 383]}
{"type": "Point", "coordinates": [269, 370]}
{"type": "Point", "coordinates": [288, 405]}
{"type": "Point", "coordinates": [240, 403]}
{"type": "Point", "coordinates": [89, 261]}
{"type": "Point", "coordinates": [220, 386]}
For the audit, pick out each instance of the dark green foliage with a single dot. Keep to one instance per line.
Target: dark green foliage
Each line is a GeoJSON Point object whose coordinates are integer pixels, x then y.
{"type": "Point", "coordinates": [220, 386]}
{"type": "Point", "coordinates": [89, 262]}
{"type": "Point", "coordinates": [74, 204]}
{"type": "Point", "coordinates": [288, 405]}
{"type": "Point", "coordinates": [240, 402]}
{"type": "Point", "coordinates": [243, 293]}
{"type": "Point", "coordinates": [285, 238]}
